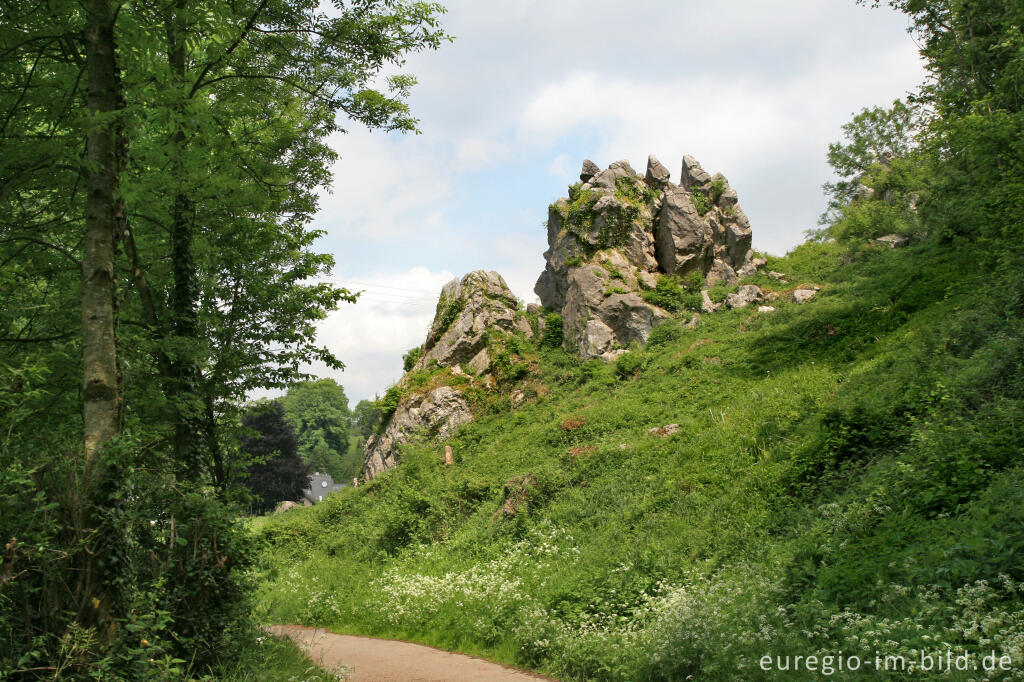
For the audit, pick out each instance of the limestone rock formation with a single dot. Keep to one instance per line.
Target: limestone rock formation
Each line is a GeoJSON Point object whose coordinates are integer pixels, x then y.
{"type": "Point", "coordinates": [617, 232]}
{"type": "Point", "coordinates": [441, 411]}
{"type": "Point", "coordinates": [466, 309]}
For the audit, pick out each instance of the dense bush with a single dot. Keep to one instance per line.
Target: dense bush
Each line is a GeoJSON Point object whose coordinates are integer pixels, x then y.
{"type": "Point", "coordinates": [674, 295]}
{"type": "Point", "coordinates": [553, 333]}
{"type": "Point", "coordinates": [410, 359]}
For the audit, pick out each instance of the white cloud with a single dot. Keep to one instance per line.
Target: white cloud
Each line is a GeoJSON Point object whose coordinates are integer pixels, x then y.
{"type": "Point", "coordinates": [560, 167]}
{"type": "Point", "coordinates": [768, 138]}
{"type": "Point", "coordinates": [476, 152]}
{"type": "Point", "coordinates": [520, 262]}
{"type": "Point", "coordinates": [383, 185]}
{"type": "Point", "coordinates": [371, 335]}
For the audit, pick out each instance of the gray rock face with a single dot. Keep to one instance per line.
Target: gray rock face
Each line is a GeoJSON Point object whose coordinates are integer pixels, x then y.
{"type": "Point", "coordinates": [720, 272]}
{"type": "Point", "coordinates": [440, 411]}
{"type": "Point", "coordinates": [747, 294]}
{"type": "Point", "coordinates": [692, 174]}
{"type": "Point", "coordinates": [617, 233]}
{"type": "Point", "coordinates": [707, 305]}
{"type": "Point", "coordinates": [657, 175]}
{"type": "Point", "coordinates": [590, 169]}
{"type": "Point", "coordinates": [803, 295]}
{"type": "Point", "coordinates": [466, 309]}
{"type": "Point", "coordinates": [683, 239]}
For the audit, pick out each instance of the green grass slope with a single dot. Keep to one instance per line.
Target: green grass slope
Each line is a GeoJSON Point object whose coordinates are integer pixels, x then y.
{"type": "Point", "coordinates": [846, 477]}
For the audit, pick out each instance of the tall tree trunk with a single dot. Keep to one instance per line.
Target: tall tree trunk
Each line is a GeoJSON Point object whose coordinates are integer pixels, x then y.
{"type": "Point", "coordinates": [185, 379]}
{"type": "Point", "coordinates": [102, 405]}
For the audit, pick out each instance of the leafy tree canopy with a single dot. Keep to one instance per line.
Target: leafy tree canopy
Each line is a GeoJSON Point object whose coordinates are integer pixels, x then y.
{"type": "Point", "coordinates": [318, 411]}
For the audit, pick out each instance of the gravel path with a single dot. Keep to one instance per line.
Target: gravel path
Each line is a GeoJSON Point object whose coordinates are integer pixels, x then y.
{"type": "Point", "coordinates": [385, 660]}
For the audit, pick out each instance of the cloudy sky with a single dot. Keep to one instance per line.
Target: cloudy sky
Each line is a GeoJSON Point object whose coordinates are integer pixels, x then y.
{"type": "Point", "coordinates": [755, 90]}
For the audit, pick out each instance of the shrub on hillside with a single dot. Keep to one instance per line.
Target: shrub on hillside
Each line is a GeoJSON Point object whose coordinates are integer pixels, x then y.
{"type": "Point", "coordinates": [671, 295]}
{"type": "Point", "coordinates": [553, 333]}
{"type": "Point", "coordinates": [410, 359]}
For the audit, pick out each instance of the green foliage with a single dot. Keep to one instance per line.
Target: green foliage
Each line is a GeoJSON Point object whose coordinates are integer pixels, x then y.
{"type": "Point", "coordinates": [262, 658]}
{"type": "Point", "coordinates": [318, 411]}
{"type": "Point", "coordinates": [509, 368]}
{"type": "Point", "coordinates": [865, 220]}
{"type": "Point", "coordinates": [693, 282]}
{"type": "Point", "coordinates": [578, 214]}
{"type": "Point", "coordinates": [276, 472]}
{"type": "Point", "coordinates": [718, 292]}
{"type": "Point", "coordinates": [670, 294]}
{"type": "Point", "coordinates": [716, 191]}
{"type": "Point", "coordinates": [700, 200]}
{"type": "Point", "coordinates": [129, 563]}
{"type": "Point", "coordinates": [365, 416]}
{"type": "Point", "coordinates": [874, 138]}
{"type": "Point", "coordinates": [388, 403]}
{"type": "Point", "coordinates": [553, 331]}
{"type": "Point", "coordinates": [448, 310]}
{"type": "Point", "coordinates": [668, 331]}
{"type": "Point", "coordinates": [629, 365]}
{"type": "Point", "coordinates": [177, 594]}
{"type": "Point", "coordinates": [410, 359]}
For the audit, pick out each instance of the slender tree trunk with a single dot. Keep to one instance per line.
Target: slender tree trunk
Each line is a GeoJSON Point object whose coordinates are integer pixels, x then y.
{"type": "Point", "coordinates": [101, 406]}
{"type": "Point", "coordinates": [101, 398]}
{"type": "Point", "coordinates": [185, 379]}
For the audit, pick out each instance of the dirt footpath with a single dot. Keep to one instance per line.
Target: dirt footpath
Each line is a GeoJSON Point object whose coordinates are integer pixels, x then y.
{"type": "Point", "coordinates": [385, 660]}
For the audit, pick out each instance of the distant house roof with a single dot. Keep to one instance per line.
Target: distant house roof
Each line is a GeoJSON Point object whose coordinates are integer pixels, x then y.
{"type": "Point", "coordinates": [320, 486]}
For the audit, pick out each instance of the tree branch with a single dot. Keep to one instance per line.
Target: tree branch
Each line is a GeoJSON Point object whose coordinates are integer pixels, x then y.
{"type": "Point", "coordinates": [40, 242]}
{"type": "Point", "coordinates": [238, 41]}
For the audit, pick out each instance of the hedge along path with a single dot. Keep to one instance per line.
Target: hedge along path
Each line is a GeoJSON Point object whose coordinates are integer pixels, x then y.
{"type": "Point", "coordinates": [387, 660]}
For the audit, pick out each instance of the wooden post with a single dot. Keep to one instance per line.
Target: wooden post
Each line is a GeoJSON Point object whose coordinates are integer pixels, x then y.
{"type": "Point", "coordinates": [448, 457]}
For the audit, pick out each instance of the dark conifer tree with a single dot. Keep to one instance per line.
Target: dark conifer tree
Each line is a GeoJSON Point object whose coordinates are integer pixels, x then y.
{"type": "Point", "coordinates": [276, 473]}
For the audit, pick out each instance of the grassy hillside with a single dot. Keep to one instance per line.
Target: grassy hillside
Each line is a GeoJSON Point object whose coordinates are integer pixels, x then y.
{"type": "Point", "coordinates": [846, 476]}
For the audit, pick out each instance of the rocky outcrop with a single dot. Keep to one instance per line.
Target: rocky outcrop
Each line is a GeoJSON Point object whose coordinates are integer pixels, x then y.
{"type": "Point", "coordinates": [466, 310]}
{"type": "Point", "coordinates": [746, 295]}
{"type": "Point", "coordinates": [617, 232]}
{"type": "Point", "coordinates": [438, 412]}
{"type": "Point", "coordinates": [469, 311]}
{"type": "Point", "coordinates": [803, 295]}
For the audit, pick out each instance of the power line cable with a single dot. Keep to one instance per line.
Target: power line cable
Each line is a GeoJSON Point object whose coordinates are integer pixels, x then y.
{"type": "Point", "coordinates": [398, 297]}
{"type": "Point", "coordinates": [386, 286]}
